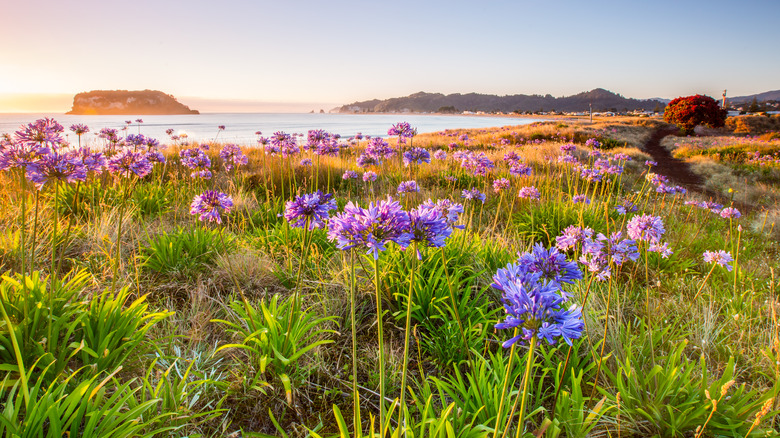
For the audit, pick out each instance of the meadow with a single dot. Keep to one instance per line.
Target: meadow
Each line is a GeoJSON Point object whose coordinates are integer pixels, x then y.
{"type": "Point", "coordinates": [528, 281]}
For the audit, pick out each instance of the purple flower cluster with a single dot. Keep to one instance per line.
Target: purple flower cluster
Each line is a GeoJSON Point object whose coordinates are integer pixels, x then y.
{"type": "Point", "coordinates": [478, 163]}
{"type": "Point", "coordinates": [284, 143]}
{"type": "Point", "coordinates": [408, 187]}
{"type": "Point", "coordinates": [646, 228]}
{"type": "Point", "coordinates": [533, 297]}
{"type": "Point", "coordinates": [79, 129]}
{"type": "Point", "coordinates": [371, 228]}
{"type": "Point", "coordinates": [721, 258]}
{"type": "Point", "coordinates": [529, 192]}
{"type": "Point", "coordinates": [379, 149]}
{"type": "Point", "coordinates": [500, 184]}
{"type": "Point", "coordinates": [403, 130]}
{"type": "Point", "coordinates": [349, 174]}
{"type": "Point", "coordinates": [56, 166]}
{"type": "Point", "coordinates": [416, 156]}
{"type": "Point", "coordinates": [429, 227]}
{"type": "Point", "coordinates": [449, 210]}
{"type": "Point", "coordinates": [129, 162]}
{"type": "Point", "coordinates": [310, 208]}
{"type": "Point", "coordinates": [626, 207]}
{"type": "Point", "coordinates": [440, 154]}
{"type": "Point", "coordinates": [580, 199]}
{"type": "Point", "coordinates": [730, 213]}
{"type": "Point", "coordinates": [197, 160]}
{"type": "Point", "coordinates": [473, 195]}
{"type": "Point", "coordinates": [369, 176]}
{"type": "Point", "coordinates": [232, 156]}
{"type": "Point", "coordinates": [210, 204]}
{"type": "Point", "coordinates": [707, 205]}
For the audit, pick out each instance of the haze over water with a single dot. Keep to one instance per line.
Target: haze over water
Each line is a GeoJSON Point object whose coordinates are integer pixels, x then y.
{"type": "Point", "coordinates": [240, 128]}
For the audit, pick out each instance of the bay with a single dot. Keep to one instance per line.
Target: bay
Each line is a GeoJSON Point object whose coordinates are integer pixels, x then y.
{"type": "Point", "coordinates": [240, 128]}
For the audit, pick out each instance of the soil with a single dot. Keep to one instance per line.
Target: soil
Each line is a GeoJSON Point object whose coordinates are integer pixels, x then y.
{"type": "Point", "coordinates": [679, 171]}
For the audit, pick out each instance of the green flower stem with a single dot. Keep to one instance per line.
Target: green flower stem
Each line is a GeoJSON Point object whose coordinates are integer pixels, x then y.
{"type": "Point", "coordinates": [381, 345]}
{"type": "Point", "coordinates": [507, 372]}
{"type": "Point", "coordinates": [406, 335]}
{"type": "Point", "coordinates": [524, 396]}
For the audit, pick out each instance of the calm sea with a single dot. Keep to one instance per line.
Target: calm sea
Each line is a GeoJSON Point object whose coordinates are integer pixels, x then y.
{"type": "Point", "coordinates": [240, 128]}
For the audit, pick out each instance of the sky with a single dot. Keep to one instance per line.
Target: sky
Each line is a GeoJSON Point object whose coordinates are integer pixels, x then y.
{"type": "Point", "coordinates": [297, 55]}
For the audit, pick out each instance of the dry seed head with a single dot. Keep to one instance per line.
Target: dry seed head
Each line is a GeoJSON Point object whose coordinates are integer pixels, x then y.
{"type": "Point", "coordinates": [724, 389]}
{"type": "Point", "coordinates": [707, 394]}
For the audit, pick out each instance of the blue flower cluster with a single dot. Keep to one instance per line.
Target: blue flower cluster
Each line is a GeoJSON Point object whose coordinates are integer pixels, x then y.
{"type": "Point", "coordinates": [534, 299]}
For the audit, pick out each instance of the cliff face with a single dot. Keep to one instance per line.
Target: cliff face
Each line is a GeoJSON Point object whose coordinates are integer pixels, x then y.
{"type": "Point", "coordinates": [112, 102]}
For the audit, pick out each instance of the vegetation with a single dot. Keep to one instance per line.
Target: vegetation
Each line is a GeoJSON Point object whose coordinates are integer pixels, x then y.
{"type": "Point", "coordinates": [553, 286]}
{"type": "Point", "coordinates": [692, 111]}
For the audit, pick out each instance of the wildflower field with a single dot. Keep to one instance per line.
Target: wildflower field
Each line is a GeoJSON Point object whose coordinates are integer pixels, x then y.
{"type": "Point", "coordinates": [534, 281]}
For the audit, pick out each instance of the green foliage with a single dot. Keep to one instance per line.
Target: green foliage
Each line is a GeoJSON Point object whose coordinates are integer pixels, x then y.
{"type": "Point", "coordinates": [51, 342]}
{"type": "Point", "coordinates": [114, 328]}
{"type": "Point", "coordinates": [152, 199]}
{"type": "Point", "coordinates": [96, 406]}
{"type": "Point", "coordinates": [671, 396]}
{"type": "Point", "coordinates": [183, 252]}
{"type": "Point", "coordinates": [275, 337]}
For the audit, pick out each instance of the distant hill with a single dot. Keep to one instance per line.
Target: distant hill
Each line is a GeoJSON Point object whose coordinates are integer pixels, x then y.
{"type": "Point", "coordinates": [760, 97]}
{"type": "Point", "coordinates": [112, 102]}
{"type": "Point", "coordinates": [600, 99]}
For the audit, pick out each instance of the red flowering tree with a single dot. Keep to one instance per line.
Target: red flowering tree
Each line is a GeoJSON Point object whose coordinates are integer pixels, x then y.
{"type": "Point", "coordinates": [691, 111]}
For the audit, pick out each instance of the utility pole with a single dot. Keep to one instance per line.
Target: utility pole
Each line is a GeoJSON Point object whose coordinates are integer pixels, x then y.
{"type": "Point", "coordinates": [590, 109]}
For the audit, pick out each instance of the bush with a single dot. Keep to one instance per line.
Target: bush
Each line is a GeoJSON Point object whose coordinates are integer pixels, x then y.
{"type": "Point", "coordinates": [182, 252]}
{"type": "Point", "coordinates": [691, 111]}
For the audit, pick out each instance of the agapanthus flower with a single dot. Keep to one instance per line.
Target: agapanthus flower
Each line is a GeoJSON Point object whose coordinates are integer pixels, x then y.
{"type": "Point", "coordinates": [660, 248]}
{"type": "Point", "coordinates": [536, 308]}
{"type": "Point", "coordinates": [622, 157]}
{"type": "Point", "coordinates": [440, 154]}
{"type": "Point", "coordinates": [626, 207]}
{"type": "Point", "coordinates": [136, 141]}
{"type": "Point", "coordinates": [21, 155]}
{"type": "Point", "coordinates": [721, 258]}
{"type": "Point", "coordinates": [370, 228]}
{"type": "Point", "coordinates": [42, 133]}
{"type": "Point", "coordinates": [127, 162]}
{"type": "Point", "coordinates": [210, 204]}
{"type": "Point", "coordinates": [592, 142]}
{"type": "Point", "coordinates": [520, 169]}
{"type": "Point", "coordinates": [306, 162]}
{"type": "Point", "coordinates": [449, 210]}
{"type": "Point", "coordinates": [416, 156]}
{"type": "Point", "coordinates": [329, 148]}
{"type": "Point", "coordinates": [56, 166]}
{"type": "Point", "coordinates": [529, 192]}
{"type": "Point", "coordinates": [450, 178]}
{"type": "Point", "coordinates": [369, 176]}
{"type": "Point", "coordinates": [110, 135]}
{"type": "Point", "coordinates": [646, 228]}
{"type": "Point", "coordinates": [599, 253]}
{"type": "Point", "coordinates": [572, 236]}
{"type": "Point", "coordinates": [285, 143]}
{"type": "Point", "coordinates": [650, 163]}
{"type": "Point", "coordinates": [500, 184]}
{"type": "Point", "coordinates": [408, 187]}
{"type": "Point", "coordinates": [428, 227]}
{"type": "Point", "coordinates": [92, 161]}
{"type": "Point", "coordinates": [221, 127]}
{"type": "Point", "coordinates": [232, 156]}
{"type": "Point", "coordinates": [577, 199]}
{"type": "Point", "coordinates": [312, 208]}
{"type": "Point", "coordinates": [349, 174]}
{"type": "Point", "coordinates": [730, 212]}
{"type": "Point", "coordinates": [403, 130]}
{"type": "Point", "coordinates": [79, 129]}
{"type": "Point", "coordinates": [198, 161]}
{"type": "Point", "coordinates": [379, 149]}
{"type": "Point", "coordinates": [473, 195]}
{"type": "Point", "coordinates": [551, 264]}
{"type": "Point", "coordinates": [568, 148]}
{"type": "Point", "coordinates": [479, 163]}
{"type": "Point", "coordinates": [155, 156]}
{"type": "Point", "coordinates": [568, 159]}
{"type": "Point", "coordinates": [365, 160]}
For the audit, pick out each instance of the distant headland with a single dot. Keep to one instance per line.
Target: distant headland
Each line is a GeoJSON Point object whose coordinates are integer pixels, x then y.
{"type": "Point", "coordinates": [119, 102]}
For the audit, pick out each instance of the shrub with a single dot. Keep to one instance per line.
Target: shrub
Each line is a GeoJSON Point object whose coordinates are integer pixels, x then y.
{"type": "Point", "coordinates": [691, 111]}
{"type": "Point", "coordinates": [182, 252]}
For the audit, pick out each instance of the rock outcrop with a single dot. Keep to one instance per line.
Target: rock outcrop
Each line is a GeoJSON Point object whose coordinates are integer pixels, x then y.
{"type": "Point", "coordinates": [112, 102]}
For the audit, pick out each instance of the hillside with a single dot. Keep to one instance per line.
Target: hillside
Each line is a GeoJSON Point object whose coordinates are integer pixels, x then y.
{"type": "Point", "coordinates": [600, 99]}
{"type": "Point", "coordinates": [113, 102]}
{"type": "Point", "coordinates": [760, 97]}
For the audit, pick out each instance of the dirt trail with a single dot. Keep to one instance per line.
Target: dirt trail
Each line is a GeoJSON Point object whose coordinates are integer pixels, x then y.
{"type": "Point", "coordinates": [679, 171]}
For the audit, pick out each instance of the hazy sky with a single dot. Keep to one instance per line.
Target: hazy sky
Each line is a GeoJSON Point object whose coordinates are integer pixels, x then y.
{"type": "Point", "coordinates": [331, 52]}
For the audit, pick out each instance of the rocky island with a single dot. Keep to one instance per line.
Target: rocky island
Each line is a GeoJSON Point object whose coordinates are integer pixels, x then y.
{"type": "Point", "coordinates": [116, 102]}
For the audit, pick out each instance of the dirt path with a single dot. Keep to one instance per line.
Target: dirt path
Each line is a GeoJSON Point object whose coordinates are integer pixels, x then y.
{"type": "Point", "coordinates": [679, 172]}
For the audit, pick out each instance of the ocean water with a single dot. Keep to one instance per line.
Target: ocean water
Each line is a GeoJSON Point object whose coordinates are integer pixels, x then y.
{"type": "Point", "coordinates": [240, 128]}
